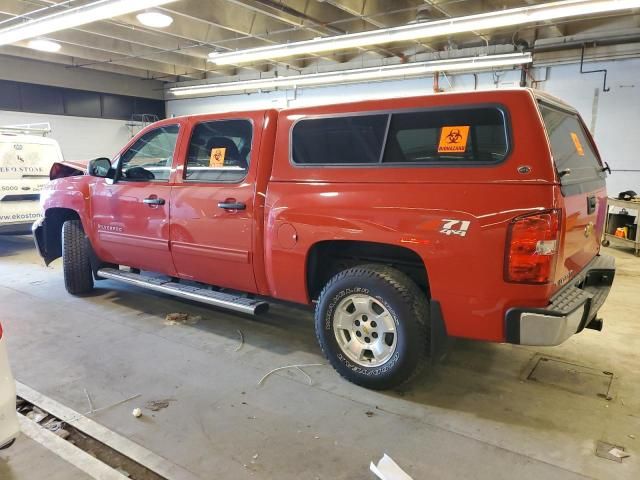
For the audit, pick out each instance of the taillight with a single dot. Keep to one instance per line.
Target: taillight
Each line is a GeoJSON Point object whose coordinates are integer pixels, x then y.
{"type": "Point", "coordinates": [0, 331]}
{"type": "Point", "coordinates": [532, 248]}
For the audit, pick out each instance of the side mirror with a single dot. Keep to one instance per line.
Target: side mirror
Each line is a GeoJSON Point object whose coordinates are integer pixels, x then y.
{"type": "Point", "coordinates": [100, 167]}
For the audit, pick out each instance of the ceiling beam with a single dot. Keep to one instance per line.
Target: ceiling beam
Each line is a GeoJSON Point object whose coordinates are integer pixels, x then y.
{"type": "Point", "coordinates": [230, 27]}
{"type": "Point", "coordinates": [125, 51]}
{"type": "Point", "coordinates": [68, 61]}
{"type": "Point", "coordinates": [57, 75]}
{"type": "Point", "coordinates": [554, 27]}
{"type": "Point", "coordinates": [367, 12]}
{"type": "Point", "coordinates": [447, 13]}
{"type": "Point", "coordinates": [88, 48]}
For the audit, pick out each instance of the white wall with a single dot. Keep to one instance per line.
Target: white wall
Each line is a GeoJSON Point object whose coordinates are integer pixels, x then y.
{"type": "Point", "coordinates": [614, 116]}
{"type": "Point", "coordinates": [80, 138]}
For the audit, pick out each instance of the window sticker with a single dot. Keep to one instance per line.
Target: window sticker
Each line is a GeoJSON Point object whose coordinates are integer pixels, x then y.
{"type": "Point", "coordinates": [217, 157]}
{"type": "Point", "coordinates": [578, 145]}
{"type": "Point", "coordinates": [453, 139]}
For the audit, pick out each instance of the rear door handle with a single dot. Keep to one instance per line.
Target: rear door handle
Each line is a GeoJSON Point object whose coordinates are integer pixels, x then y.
{"type": "Point", "coordinates": [154, 201]}
{"type": "Point", "coordinates": [232, 205]}
{"type": "Point", "coordinates": [591, 205]}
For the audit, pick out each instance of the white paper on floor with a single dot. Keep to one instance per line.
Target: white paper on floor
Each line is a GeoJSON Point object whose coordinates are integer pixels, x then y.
{"type": "Point", "coordinates": [616, 452]}
{"type": "Point", "coordinates": [387, 469]}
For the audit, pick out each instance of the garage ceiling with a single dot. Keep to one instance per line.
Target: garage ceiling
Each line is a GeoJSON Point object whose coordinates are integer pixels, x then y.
{"type": "Point", "coordinates": [179, 52]}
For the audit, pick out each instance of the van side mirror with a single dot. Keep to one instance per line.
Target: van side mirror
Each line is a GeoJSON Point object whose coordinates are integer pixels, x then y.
{"type": "Point", "coordinates": [100, 167]}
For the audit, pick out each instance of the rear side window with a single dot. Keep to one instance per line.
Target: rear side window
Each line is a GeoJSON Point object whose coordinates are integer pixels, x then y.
{"type": "Point", "coordinates": [571, 149]}
{"type": "Point", "coordinates": [463, 136]}
{"type": "Point", "coordinates": [219, 151]}
{"type": "Point", "coordinates": [447, 136]}
{"type": "Point", "coordinates": [355, 139]}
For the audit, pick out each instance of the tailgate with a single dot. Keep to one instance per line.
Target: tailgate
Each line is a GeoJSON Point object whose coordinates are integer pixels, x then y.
{"type": "Point", "coordinates": [582, 182]}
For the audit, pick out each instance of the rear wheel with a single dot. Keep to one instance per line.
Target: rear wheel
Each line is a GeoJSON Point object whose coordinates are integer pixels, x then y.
{"type": "Point", "coordinates": [372, 325]}
{"type": "Point", "coordinates": [76, 263]}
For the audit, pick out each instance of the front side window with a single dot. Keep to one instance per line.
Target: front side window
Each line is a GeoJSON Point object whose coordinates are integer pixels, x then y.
{"type": "Point", "coordinates": [219, 151]}
{"type": "Point", "coordinates": [355, 139]}
{"type": "Point", "coordinates": [151, 156]}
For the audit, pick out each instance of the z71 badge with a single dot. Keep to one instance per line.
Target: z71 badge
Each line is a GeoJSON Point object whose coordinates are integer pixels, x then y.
{"type": "Point", "coordinates": [455, 227]}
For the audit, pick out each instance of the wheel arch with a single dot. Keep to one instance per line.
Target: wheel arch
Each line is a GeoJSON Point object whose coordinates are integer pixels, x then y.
{"type": "Point", "coordinates": [49, 238]}
{"type": "Point", "coordinates": [328, 257]}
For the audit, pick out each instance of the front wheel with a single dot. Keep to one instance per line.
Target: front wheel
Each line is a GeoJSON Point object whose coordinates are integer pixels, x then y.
{"type": "Point", "coordinates": [76, 259]}
{"type": "Point", "coordinates": [372, 325]}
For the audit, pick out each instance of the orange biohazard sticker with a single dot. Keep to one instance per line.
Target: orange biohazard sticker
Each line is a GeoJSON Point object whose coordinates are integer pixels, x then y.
{"type": "Point", "coordinates": [578, 145]}
{"type": "Point", "coordinates": [217, 157]}
{"type": "Point", "coordinates": [453, 139]}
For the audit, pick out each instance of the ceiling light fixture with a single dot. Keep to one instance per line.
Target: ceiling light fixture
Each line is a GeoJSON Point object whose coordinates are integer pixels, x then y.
{"type": "Point", "coordinates": [483, 21]}
{"type": "Point", "coordinates": [360, 75]}
{"type": "Point", "coordinates": [154, 19]}
{"type": "Point", "coordinates": [99, 10]}
{"type": "Point", "coordinates": [44, 45]}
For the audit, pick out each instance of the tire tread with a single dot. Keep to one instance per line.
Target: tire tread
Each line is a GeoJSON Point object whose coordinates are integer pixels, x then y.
{"type": "Point", "coordinates": [76, 263]}
{"type": "Point", "coordinates": [406, 288]}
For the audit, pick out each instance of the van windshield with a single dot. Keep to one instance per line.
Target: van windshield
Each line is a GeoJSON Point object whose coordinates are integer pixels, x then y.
{"type": "Point", "coordinates": [573, 154]}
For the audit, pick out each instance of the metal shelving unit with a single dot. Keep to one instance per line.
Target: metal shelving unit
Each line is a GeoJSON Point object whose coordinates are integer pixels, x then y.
{"type": "Point", "coordinates": [615, 220]}
{"type": "Point", "coordinates": [138, 121]}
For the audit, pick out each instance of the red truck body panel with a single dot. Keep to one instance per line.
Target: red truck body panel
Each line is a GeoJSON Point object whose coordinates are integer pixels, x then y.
{"type": "Point", "coordinates": [264, 249]}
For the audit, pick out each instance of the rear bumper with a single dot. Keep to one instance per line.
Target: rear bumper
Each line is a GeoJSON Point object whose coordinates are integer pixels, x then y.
{"type": "Point", "coordinates": [571, 309]}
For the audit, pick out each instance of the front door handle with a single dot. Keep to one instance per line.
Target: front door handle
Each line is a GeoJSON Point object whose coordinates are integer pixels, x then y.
{"type": "Point", "coordinates": [591, 204]}
{"type": "Point", "coordinates": [232, 205]}
{"type": "Point", "coordinates": [153, 200]}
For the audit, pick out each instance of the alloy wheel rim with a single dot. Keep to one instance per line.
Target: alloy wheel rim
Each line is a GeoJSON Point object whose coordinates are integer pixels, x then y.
{"type": "Point", "coordinates": [365, 330]}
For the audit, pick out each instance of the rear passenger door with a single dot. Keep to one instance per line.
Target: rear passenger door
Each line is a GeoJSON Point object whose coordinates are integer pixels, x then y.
{"type": "Point", "coordinates": [212, 204]}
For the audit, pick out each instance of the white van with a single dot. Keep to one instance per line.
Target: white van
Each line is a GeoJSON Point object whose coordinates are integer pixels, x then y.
{"type": "Point", "coordinates": [26, 157]}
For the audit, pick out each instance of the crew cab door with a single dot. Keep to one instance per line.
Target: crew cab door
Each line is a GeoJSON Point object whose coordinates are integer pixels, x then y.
{"type": "Point", "coordinates": [131, 213]}
{"type": "Point", "coordinates": [212, 216]}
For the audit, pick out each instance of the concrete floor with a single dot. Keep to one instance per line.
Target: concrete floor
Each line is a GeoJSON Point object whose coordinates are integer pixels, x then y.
{"type": "Point", "coordinates": [28, 459]}
{"type": "Point", "coordinates": [476, 416]}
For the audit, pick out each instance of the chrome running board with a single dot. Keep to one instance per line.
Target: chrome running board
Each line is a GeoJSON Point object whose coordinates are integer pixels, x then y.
{"type": "Point", "coordinates": [217, 299]}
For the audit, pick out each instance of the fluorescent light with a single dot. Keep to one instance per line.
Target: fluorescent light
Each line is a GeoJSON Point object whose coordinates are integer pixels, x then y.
{"type": "Point", "coordinates": [483, 21]}
{"type": "Point", "coordinates": [154, 19]}
{"type": "Point", "coordinates": [75, 17]}
{"type": "Point", "coordinates": [360, 75]}
{"type": "Point", "coordinates": [44, 45]}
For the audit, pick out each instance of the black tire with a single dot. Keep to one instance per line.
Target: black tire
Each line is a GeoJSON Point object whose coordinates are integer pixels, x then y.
{"type": "Point", "coordinates": [76, 263]}
{"type": "Point", "coordinates": [606, 243]}
{"type": "Point", "coordinates": [405, 303]}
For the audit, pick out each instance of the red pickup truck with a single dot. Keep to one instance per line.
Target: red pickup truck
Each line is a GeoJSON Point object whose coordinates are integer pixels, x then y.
{"type": "Point", "coordinates": [407, 221]}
